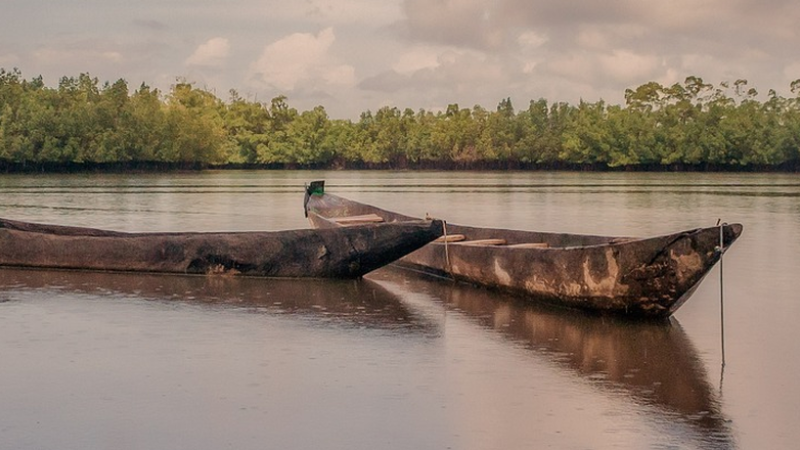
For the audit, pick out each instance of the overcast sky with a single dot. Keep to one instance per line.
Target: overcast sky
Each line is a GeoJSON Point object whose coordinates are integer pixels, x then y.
{"type": "Point", "coordinates": [353, 55]}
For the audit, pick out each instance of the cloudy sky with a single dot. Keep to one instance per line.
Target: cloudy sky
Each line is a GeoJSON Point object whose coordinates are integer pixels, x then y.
{"type": "Point", "coordinates": [353, 55]}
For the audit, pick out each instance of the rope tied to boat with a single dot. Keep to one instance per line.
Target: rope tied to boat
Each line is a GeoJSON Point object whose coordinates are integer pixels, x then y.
{"type": "Point", "coordinates": [447, 249]}
{"type": "Point", "coordinates": [448, 267]}
{"type": "Point", "coordinates": [721, 249]}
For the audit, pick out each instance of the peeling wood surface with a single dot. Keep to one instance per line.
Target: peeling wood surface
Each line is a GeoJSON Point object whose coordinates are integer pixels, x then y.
{"type": "Point", "coordinates": [348, 252]}
{"type": "Point", "coordinates": [636, 277]}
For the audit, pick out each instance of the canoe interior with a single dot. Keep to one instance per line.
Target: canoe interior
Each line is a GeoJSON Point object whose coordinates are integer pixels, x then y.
{"type": "Point", "coordinates": [332, 207]}
{"type": "Point", "coordinates": [329, 210]}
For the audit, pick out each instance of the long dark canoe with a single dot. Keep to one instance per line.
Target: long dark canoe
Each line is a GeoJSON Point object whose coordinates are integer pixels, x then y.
{"type": "Point", "coordinates": [636, 277]}
{"type": "Point", "coordinates": [335, 253]}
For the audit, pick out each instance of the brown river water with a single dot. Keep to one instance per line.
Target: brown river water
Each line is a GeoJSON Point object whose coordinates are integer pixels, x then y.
{"type": "Point", "coordinates": [398, 360]}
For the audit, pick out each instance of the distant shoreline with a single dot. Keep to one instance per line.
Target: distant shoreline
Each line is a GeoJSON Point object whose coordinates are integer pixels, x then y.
{"type": "Point", "coordinates": [161, 167]}
{"type": "Point", "coordinates": [85, 126]}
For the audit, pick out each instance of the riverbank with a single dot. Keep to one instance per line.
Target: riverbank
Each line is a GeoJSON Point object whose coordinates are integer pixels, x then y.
{"type": "Point", "coordinates": [163, 167]}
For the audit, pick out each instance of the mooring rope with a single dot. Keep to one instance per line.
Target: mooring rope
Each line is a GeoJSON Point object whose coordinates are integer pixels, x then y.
{"type": "Point", "coordinates": [721, 292]}
{"type": "Point", "coordinates": [449, 268]}
{"type": "Point", "coordinates": [447, 249]}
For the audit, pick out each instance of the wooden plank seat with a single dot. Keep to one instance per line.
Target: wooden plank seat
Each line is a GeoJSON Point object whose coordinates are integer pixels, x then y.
{"type": "Point", "coordinates": [530, 245]}
{"type": "Point", "coordinates": [355, 220]}
{"type": "Point", "coordinates": [482, 242]}
{"type": "Point", "coordinates": [460, 239]}
{"type": "Point", "coordinates": [451, 238]}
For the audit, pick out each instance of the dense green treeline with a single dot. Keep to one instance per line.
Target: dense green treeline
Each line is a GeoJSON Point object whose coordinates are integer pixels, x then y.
{"type": "Point", "coordinates": [693, 124]}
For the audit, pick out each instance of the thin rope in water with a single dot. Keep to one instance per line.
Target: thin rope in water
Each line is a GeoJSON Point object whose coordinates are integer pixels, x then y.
{"type": "Point", "coordinates": [722, 290]}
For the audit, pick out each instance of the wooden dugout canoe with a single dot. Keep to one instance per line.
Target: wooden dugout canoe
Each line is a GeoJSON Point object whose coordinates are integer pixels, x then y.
{"type": "Point", "coordinates": [635, 277]}
{"type": "Point", "coordinates": [336, 253]}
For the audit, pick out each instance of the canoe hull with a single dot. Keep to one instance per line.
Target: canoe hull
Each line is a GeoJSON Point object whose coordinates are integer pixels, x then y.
{"type": "Point", "coordinates": [635, 277]}
{"type": "Point", "coordinates": [336, 253]}
{"type": "Point", "coordinates": [646, 278]}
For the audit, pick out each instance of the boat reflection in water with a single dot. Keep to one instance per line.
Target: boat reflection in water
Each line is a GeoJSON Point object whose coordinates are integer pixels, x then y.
{"type": "Point", "coordinates": [654, 364]}
{"type": "Point", "coordinates": [357, 303]}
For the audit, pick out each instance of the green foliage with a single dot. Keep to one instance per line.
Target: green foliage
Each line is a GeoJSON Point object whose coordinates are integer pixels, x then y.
{"type": "Point", "coordinates": [687, 124]}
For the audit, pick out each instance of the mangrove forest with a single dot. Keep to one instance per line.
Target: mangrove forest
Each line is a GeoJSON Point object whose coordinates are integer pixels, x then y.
{"type": "Point", "coordinates": [83, 124]}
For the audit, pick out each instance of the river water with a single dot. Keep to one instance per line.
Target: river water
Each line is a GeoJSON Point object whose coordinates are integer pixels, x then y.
{"type": "Point", "coordinates": [398, 360]}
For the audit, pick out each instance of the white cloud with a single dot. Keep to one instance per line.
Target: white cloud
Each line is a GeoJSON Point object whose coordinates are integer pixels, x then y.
{"type": "Point", "coordinates": [416, 53]}
{"type": "Point", "coordinates": [529, 66]}
{"type": "Point", "coordinates": [66, 56]}
{"type": "Point", "coordinates": [531, 40]}
{"type": "Point", "coordinates": [9, 60]}
{"type": "Point", "coordinates": [571, 66]}
{"type": "Point", "coordinates": [592, 38]}
{"type": "Point", "coordinates": [300, 58]}
{"type": "Point", "coordinates": [342, 75]}
{"type": "Point", "coordinates": [705, 66]}
{"type": "Point", "coordinates": [455, 75]}
{"type": "Point", "coordinates": [211, 53]}
{"type": "Point", "coordinates": [792, 72]}
{"type": "Point", "coordinates": [466, 23]}
{"type": "Point", "coordinates": [670, 77]}
{"type": "Point", "coordinates": [626, 66]}
{"type": "Point", "coordinates": [368, 12]}
{"type": "Point", "coordinates": [415, 59]}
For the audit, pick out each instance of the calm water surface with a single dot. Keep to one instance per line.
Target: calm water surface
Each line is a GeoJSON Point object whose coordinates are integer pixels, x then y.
{"type": "Point", "coordinates": [396, 360]}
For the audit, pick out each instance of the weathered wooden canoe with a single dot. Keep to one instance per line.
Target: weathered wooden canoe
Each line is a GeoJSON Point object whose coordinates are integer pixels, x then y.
{"type": "Point", "coordinates": [336, 253]}
{"type": "Point", "coordinates": [636, 277]}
